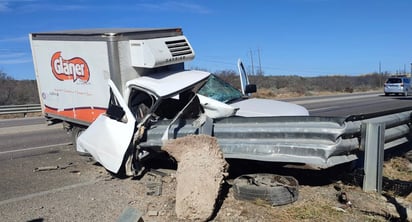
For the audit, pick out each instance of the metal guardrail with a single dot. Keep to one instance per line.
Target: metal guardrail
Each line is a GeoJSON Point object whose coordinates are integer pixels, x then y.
{"type": "Point", "coordinates": [321, 142]}
{"type": "Point", "coordinates": [16, 109]}
{"type": "Point", "coordinates": [318, 141]}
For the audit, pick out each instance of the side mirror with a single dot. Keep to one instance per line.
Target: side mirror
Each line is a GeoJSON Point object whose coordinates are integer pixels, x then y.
{"type": "Point", "coordinates": [251, 88]}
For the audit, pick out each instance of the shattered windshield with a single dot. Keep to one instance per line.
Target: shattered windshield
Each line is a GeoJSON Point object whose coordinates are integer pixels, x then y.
{"type": "Point", "coordinates": [220, 90]}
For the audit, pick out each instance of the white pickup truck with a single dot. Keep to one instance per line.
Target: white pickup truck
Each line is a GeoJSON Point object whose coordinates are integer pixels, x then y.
{"type": "Point", "coordinates": [111, 86]}
{"type": "Point", "coordinates": [220, 99]}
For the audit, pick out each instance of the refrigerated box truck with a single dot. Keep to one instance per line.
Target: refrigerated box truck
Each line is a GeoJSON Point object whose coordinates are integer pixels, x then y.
{"type": "Point", "coordinates": [73, 67]}
{"type": "Point", "coordinates": [120, 83]}
{"type": "Point", "coordinates": [82, 74]}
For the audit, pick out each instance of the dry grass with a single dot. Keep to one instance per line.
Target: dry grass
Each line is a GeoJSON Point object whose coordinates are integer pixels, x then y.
{"type": "Point", "coordinates": [314, 210]}
{"type": "Point", "coordinates": [314, 204]}
{"type": "Point", "coordinates": [270, 94]}
{"type": "Point", "coordinates": [320, 202]}
{"type": "Point", "coordinates": [287, 93]}
{"type": "Point", "coordinates": [398, 168]}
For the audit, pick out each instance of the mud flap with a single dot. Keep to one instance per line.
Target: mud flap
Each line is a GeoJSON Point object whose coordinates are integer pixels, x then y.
{"type": "Point", "coordinates": [109, 136]}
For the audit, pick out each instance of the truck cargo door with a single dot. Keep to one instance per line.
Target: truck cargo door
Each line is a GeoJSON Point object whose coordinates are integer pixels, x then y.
{"type": "Point", "coordinates": [109, 136]}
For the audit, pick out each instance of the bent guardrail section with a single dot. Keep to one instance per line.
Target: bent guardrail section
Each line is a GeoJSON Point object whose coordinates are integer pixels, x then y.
{"type": "Point", "coordinates": [311, 140]}
{"type": "Point", "coordinates": [321, 142]}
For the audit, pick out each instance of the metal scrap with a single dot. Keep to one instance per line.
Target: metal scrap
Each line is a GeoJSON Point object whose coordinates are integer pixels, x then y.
{"type": "Point", "coordinates": [48, 168]}
{"type": "Point", "coordinates": [130, 215]}
{"type": "Point", "coordinates": [154, 184]}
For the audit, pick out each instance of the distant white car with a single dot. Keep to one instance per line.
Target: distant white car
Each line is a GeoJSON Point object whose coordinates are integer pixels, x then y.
{"type": "Point", "coordinates": [220, 99]}
{"type": "Point", "coordinates": [397, 85]}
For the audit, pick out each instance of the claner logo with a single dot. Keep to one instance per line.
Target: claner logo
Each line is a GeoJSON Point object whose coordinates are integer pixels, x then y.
{"type": "Point", "coordinates": [69, 69]}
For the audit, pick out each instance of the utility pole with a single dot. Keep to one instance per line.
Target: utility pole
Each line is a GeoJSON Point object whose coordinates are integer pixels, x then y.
{"type": "Point", "coordinates": [251, 58]}
{"type": "Point", "coordinates": [411, 69]}
{"type": "Point", "coordinates": [260, 65]}
{"type": "Point", "coordinates": [380, 73]}
{"type": "Point", "coordinates": [380, 66]}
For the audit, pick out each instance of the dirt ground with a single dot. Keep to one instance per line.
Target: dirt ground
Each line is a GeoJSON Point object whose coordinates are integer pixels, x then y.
{"type": "Point", "coordinates": [101, 196]}
{"type": "Point", "coordinates": [319, 199]}
{"type": "Point", "coordinates": [154, 195]}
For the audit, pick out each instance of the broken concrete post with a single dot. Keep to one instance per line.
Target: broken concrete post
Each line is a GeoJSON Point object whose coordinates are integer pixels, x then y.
{"type": "Point", "coordinates": [200, 174]}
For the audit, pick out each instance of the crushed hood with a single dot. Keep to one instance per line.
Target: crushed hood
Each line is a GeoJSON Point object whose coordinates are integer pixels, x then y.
{"type": "Point", "coordinates": [264, 107]}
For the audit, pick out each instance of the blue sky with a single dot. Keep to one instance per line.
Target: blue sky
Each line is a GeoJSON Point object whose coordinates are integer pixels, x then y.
{"type": "Point", "coordinates": [292, 37]}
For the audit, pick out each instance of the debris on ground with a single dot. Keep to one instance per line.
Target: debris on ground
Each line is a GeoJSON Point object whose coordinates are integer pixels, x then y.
{"type": "Point", "coordinates": [48, 168]}
{"type": "Point", "coordinates": [271, 189]}
{"type": "Point", "coordinates": [200, 174]}
{"type": "Point", "coordinates": [130, 214]}
{"type": "Point", "coordinates": [342, 195]}
{"type": "Point", "coordinates": [318, 198]}
{"type": "Point", "coordinates": [154, 184]}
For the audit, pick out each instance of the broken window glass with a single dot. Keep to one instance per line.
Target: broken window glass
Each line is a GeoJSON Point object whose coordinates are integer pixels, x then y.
{"type": "Point", "coordinates": [220, 90]}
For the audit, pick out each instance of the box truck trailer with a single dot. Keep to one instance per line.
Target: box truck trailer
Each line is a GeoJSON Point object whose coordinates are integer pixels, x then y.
{"type": "Point", "coordinates": [109, 87]}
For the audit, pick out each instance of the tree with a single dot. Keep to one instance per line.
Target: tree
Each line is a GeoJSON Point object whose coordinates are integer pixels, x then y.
{"type": "Point", "coordinates": [17, 92]}
{"type": "Point", "coordinates": [6, 88]}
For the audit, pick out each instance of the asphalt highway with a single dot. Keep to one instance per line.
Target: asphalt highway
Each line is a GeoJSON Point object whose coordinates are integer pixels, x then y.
{"type": "Point", "coordinates": [42, 175]}
{"type": "Point", "coordinates": [352, 104]}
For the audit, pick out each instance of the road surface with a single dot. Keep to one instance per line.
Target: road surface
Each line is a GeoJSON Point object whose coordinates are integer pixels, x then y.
{"type": "Point", "coordinates": [43, 178]}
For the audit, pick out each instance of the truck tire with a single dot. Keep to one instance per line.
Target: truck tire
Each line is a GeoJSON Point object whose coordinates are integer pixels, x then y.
{"type": "Point", "coordinates": [76, 132]}
{"type": "Point", "coordinates": [271, 188]}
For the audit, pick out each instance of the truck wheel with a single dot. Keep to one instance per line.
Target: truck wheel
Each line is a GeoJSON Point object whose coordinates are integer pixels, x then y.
{"type": "Point", "coordinates": [76, 132]}
{"type": "Point", "coordinates": [271, 188]}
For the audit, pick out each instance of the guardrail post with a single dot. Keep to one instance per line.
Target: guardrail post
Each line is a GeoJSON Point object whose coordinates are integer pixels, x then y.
{"type": "Point", "coordinates": [373, 137]}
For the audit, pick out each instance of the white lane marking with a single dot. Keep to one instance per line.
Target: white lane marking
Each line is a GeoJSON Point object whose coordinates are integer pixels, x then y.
{"type": "Point", "coordinates": [333, 99]}
{"type": "Point", "coordinates": [35, 148]}
{"type": "Point", "coordinates": [42, 193]}
{"type": "Point", "coordinates": [323, 109]}
{"type": "Point", "coordinates": [28, 128]}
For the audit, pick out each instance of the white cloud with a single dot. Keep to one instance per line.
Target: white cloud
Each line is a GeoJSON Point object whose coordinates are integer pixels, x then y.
{"type": "Point", "coordinates": [4, 6]}
{"type": "Point", "coordinates": [175, 6]}
{"type": "Point", "coordinates": [13, 5]}
{"type": "Point", "coordinates": [15, 61]}
{"type": "Point", "coordinates": [8, 57]}
{"type": "Point", "coordinates": [15, 39]}
{"type": "Point", "coordinates": [36, 5]}
{"type": "Point", "coordinates": [51, 7]}
{"type": "Point", "coordinates": [27, 6]}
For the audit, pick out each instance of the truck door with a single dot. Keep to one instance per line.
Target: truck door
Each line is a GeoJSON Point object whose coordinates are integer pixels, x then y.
{"type": "Point", "coordinates": [244, 80]}
{"type": "Point", "coordinates": [109, 136]}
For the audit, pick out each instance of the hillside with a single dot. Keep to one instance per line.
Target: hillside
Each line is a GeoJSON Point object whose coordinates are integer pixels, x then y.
{"type": "Point", "coordinates": [15, 92]}
{"type": "Point", "coordinates": [295, 86]}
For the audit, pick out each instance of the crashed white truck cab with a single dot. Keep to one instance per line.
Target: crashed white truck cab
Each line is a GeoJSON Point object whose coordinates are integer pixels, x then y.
{"type": "Point", "coordinates": [220, 99]}
{"type": "Point", "coordinates": [111, 86]}
{"type": "Point", "coordinates": [160, 96]}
